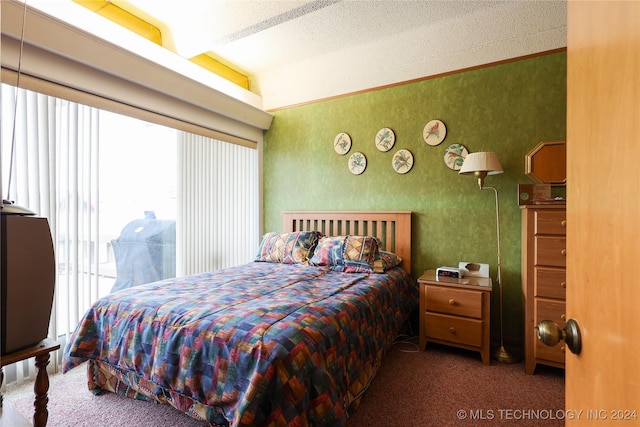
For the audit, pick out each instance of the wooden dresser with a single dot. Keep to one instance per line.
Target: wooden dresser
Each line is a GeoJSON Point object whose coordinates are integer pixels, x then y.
{"type": "Point", "coordinates": [543, 279]}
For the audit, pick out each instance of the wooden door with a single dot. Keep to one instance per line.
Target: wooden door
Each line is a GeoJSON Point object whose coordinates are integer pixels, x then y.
{"type": "Point", "coordinates": [603, 211]}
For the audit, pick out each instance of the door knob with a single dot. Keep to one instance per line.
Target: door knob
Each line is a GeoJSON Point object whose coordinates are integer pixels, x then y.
{"type": "Point", "coordinates": [551, 334]}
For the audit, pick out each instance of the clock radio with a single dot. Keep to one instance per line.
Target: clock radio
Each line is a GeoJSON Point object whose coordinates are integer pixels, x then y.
{"type": "Point", "coordinates": [452, 272]}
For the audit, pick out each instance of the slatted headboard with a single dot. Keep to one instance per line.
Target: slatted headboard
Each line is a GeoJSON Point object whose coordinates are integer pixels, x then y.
{"type": "Point", "coordinates": [393, 228]}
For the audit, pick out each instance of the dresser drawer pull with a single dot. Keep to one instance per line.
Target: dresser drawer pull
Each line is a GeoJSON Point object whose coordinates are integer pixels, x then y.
{"type": "Point", "coordinates": [563, 284]}
{"type": "Point", "coordinates": [452, 329]}
{"type": "Point", "coordinates": [562, 349]}
{"type": "Point", "coordinates": [563, 223]}
{"type": "Point", "coordinates": [452, 302]}
{"type": "Point", "coordinates": [563, 252]}
{"type": "Point", "coordinates": [563, 317]}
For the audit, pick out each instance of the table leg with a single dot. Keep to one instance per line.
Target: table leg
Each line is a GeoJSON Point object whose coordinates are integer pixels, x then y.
{"type": "Point", "coordinates": [41, 387]}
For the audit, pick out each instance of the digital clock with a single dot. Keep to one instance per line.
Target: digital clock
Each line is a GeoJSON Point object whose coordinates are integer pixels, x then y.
{"type": "Point", "coordinates": [453, 272]}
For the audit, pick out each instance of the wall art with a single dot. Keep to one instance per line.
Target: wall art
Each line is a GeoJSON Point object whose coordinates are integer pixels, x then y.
{"type": "Point", "coordinates": [357, 163]}
{"type": "Point", "coordinates": [402, 161]}
{"type": "Point", "coordinates": [342, 143]}
{"type": "Point", "coordinates": [385, 138]}
{"type": "Point", "coordinates": [434, 132]}
{"type": "Point", "coordinates": [454, 156]}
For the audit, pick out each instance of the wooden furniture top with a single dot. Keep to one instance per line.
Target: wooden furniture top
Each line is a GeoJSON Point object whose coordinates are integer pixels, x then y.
{"type": "Point", "coordinates": [45, 346]}
{"type": "Point", "coordinates": [477, 283]}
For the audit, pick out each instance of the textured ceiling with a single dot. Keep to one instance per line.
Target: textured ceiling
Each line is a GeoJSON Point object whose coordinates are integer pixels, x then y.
{"type": "Point", "coordinates": [300, 51]}
{"type": "Point", "coordinates": [297, 51]}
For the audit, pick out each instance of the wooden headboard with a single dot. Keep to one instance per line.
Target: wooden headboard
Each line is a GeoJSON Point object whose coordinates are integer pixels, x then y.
{"type": "Point", "coordinates": [393, 228]}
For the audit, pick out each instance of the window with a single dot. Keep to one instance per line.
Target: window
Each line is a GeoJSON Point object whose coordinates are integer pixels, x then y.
{"type": "Point", "coordinates": [62, 128]}
{"type": "Point", "coordinates": [137, 202]}
{"type": "Point", "coordinates": [128, 201]}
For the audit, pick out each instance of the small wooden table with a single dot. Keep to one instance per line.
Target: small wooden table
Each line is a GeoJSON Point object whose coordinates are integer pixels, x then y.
{"type": "Point", "coordinates": [455, 312]}
{"type": "Point", "coordinates": [41, 352]}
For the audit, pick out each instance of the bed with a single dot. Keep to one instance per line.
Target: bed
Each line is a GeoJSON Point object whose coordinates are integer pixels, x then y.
{"type": "Point", "coordinates": [292, 338]}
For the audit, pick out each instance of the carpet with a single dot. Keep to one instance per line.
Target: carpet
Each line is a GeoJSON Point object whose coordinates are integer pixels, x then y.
{"type": "Point", "coordinates": [72, 404]}
{"type": "Point", "coordinates": [445, 386]}
{"type": "Point", "coordinates": [441, 386]}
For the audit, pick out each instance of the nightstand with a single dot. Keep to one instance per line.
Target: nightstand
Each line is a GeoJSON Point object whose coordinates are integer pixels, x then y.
{"type": "Point", "coordinates": [455, 312]}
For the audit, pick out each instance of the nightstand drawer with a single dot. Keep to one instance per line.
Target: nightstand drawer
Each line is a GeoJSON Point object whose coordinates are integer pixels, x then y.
{"type": "Point", "coordinates": [550, 283]}
{"type": "Point", "coordinates": [454, 329]}
{"type": "Point", "coordinates": [551, 251]}
{"type": "Point", "coordinates": [457, 302]}
{"type": "Point", "coordinates": [551, 222]}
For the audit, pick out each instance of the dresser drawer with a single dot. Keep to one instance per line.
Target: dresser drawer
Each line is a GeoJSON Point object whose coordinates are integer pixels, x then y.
{"type": "Point", "coordinates": [457, 302]}
{"type": "Point", "coordinates": [546, 309]}
{"type": "Point", "coordinates": [552, 354]}
{"type": "Point", "coordinates": [550, 282]}
{"type": "Point", "coordinates": [551, 222]}
{"type": "Point", "coordinates": [455, 329]}
{"type": "Point", "coordinates": [551, 251]}
{"type": "Point", "coordinates": [550, 310]}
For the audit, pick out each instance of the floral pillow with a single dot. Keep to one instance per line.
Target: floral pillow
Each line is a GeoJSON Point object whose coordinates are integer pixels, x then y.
{"type": "Point", "coordinates": [351, 254]}
{"type": "Point", "coordinates": [287, 248]}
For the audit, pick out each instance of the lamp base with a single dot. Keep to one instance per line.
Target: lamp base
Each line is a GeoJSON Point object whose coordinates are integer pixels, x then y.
{"type": "Point", "coordinates": [502, 355]}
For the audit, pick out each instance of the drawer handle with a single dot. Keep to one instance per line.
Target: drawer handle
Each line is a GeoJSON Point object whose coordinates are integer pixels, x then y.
{"type": "Point", "coordinates": [563, 284]}
{"type": "Point", "coordinates": [563, 252]}
{"type": "Point", "coordinates": [563, 317]}
{"type": "Point", "coordinates": [562, 349]}
{"type": "Point", "coordinates": [452, 302]}
{"type": "Point", "coordinates": [452, 329]}
{"type": "Point", "coordinates": [563, 223]}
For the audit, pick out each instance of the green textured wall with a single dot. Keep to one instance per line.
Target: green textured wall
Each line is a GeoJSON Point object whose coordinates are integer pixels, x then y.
{"type": "Point", "coordinates": [507, 108]}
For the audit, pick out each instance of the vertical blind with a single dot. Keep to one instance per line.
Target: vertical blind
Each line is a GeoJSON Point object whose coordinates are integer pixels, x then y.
{"type": "Point", "coordinates": [55, 169]}
{"type": "Point", "coordinates": [49, 164]}
{"type": "Point", "coordinates": [217, 224]}
{"type": "Point", "coordinates": [56, 158]}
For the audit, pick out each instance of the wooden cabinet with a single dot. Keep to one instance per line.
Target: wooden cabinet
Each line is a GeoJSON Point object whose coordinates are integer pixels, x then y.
{"type": "Point", "coordinates": [455, 312]}
{"type": "Point", "coordinates": [543, 279]}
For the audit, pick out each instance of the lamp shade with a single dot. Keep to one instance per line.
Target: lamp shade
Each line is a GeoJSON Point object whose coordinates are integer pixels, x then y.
{"type": "Point", "coordinates": [484, 161]}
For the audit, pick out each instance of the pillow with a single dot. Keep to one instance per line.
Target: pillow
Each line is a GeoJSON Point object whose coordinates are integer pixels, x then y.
{"type": "Point", "coordinates": [386, 261]}
{"type": "Point", "coordinates": [351, 254]}
{"type": "Point", "coordinates": [287, 248]}
{"type": "Point", "coordinates": [328, 252]}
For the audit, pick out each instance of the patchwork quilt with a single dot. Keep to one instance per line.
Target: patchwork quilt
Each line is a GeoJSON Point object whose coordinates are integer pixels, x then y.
{"type": "Point", "coordinates": [258, 344]}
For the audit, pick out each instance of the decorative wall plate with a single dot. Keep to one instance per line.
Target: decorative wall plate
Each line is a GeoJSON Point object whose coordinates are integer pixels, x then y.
{"type": "Point", "coordinates": [342, 143]}
{"type": "Point", "coordinates": [385, 138]}
{"type": "Point", "coordinates": [434, 132]}
{"type": "Point", "coordinates": [357, 163]}
{"type": "Point", "coordinates": [454, 156]}
{"type": "Point", "coordinates": [402, 161]}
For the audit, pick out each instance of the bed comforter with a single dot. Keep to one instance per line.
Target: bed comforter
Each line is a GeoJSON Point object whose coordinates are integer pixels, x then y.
{"type": "Point", "coordinates": [257, 344]}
